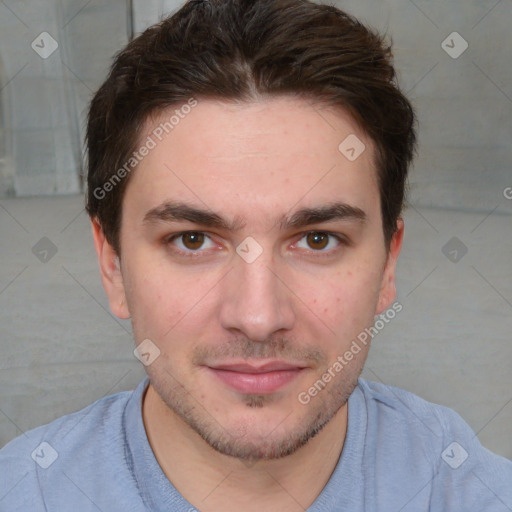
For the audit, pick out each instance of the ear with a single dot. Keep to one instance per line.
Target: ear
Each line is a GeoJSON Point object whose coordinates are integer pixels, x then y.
{"type": "Point", "coordinates": [111, 275]}
{"type": "Point", "coordinates": [387, 292]}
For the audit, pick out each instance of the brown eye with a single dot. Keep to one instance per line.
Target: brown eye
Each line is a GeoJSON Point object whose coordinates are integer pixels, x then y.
{"type": "Point", "coordinates": [193, 240]}
{"type": "Point", "coordinates": [322, 243]}
{"type": "Point", "coordinates": [190, 242]}
{"type": "Point", "coordinates": [317, 240]}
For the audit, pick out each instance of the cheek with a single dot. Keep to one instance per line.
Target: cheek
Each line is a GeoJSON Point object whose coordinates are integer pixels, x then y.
{"type": "Point", "coordinates": [346, 302]}
{"type": "Point", "coordinates": [153, 298]}
{"type": "Point", "coordinates": [165, 302]}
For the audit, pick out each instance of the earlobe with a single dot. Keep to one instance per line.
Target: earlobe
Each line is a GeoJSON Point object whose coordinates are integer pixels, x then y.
{"type": "Point", "coordinates": [387, 292]}
{"type": "Point", "coordinates": [110, 269]}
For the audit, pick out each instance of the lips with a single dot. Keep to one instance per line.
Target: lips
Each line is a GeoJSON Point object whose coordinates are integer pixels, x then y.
{"type": "Point", "coordinates": [262, 368]}
{"type": "Point", "coordinates": [263, 378]}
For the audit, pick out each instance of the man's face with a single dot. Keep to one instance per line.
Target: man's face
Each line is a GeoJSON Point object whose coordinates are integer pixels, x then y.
{"type": "Point", "coordinates": [248, 316]}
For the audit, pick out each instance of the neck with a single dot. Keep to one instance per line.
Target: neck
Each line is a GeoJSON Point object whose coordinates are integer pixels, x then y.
{"type": "Point", "coordinates": [213, 482]}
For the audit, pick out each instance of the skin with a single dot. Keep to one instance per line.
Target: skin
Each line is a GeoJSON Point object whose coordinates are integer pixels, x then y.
{"type": "Point", "coordinates": [301, 300]}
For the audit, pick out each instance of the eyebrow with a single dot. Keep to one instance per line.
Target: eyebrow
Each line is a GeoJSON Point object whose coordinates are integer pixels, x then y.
{"type": "Point", "coordinates": [170, 211]}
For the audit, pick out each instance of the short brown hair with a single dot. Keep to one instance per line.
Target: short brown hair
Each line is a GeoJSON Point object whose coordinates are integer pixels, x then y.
{"type": "Point", "coordinates": [242, 50]}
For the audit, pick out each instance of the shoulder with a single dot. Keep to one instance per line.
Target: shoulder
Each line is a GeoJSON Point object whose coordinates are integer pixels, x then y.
{"type": "Point", "coordinates": [432, 419]}
{"type": "Point", "coordinates": [70, 428]}
{"type": "Point", "coordinates": [31, 461]}
{"type": "Point", "coordinates": [435, 440]}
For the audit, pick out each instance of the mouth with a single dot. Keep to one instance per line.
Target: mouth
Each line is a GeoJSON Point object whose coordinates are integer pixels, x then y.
{"type": "Point", "coordinates": [260, 379]}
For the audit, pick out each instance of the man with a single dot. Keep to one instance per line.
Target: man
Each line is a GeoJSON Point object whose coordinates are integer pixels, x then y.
{"type": "Point", "coordinates": [247, 163]}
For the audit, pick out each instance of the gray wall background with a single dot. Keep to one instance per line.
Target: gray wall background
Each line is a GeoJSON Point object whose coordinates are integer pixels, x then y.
{"type": "Point", "coordinates": [61, 348]}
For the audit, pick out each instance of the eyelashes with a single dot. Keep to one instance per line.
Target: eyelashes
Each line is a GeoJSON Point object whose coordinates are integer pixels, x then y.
{"type": "Point", "coordinates": [196, 241]}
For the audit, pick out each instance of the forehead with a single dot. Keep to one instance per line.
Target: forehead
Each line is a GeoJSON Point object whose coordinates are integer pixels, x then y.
{"type": "Point", "coordinates": [307, 128]}
{"type": "Point", "coordinates": [267, 155]}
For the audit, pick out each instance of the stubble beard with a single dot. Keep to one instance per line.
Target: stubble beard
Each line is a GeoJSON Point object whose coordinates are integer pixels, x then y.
{"type": "Point", "coordinates": [244, 444]}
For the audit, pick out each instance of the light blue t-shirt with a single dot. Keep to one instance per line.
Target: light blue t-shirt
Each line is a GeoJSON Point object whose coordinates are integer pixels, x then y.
{"type": "Point", "coordinates": [401, 453]}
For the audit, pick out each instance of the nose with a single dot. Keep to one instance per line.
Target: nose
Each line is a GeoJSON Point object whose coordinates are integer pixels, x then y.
{"type": "Point", "coordinates": [255, 299]}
